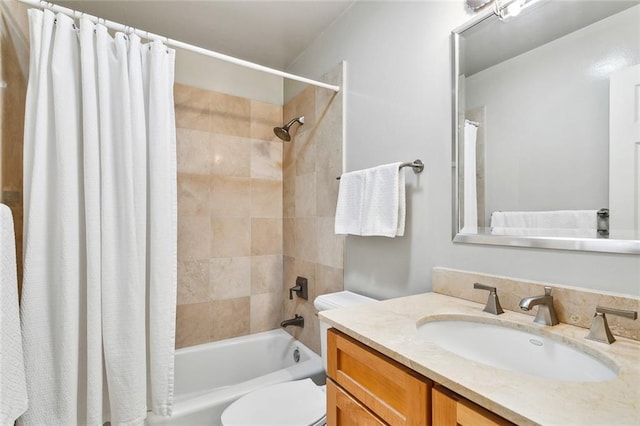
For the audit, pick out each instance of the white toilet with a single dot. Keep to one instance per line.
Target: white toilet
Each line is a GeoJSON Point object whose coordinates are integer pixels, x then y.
{"type": "Point", "coordinates": [296, 403]}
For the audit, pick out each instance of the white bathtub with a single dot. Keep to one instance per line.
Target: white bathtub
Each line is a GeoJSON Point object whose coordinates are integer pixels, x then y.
{"type": "Point", "coordinates": [211, 376]}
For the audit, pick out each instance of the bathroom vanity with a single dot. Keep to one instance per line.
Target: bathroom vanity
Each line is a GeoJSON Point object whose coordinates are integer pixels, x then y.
{"type": "Point", "coordinates": [381, 370]}
{"type": "Point", "coordinates": [386, 392]}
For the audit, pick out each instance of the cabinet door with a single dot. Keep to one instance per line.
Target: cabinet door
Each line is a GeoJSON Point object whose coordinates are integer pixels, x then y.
{"type": "Point", "coordinates": [393, 392]}
{"type": "Point", "coordinates": [450, 409]}
{"type": "Point", "coordinates": [343, 410]}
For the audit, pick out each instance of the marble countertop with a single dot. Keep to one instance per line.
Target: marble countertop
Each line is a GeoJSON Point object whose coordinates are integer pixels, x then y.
{"type": "Point", "coordinates": [390, 327]}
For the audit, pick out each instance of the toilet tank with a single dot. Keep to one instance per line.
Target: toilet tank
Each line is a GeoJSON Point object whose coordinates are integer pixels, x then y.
{"type": "Point", "coordinates": [341, 299]}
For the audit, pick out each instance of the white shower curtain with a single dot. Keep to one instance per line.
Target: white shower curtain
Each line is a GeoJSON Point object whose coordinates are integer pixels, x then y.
{"type": "Point", "coordinates": [98, 301]}
{"type": "Point", "coordinates": [470, 218]}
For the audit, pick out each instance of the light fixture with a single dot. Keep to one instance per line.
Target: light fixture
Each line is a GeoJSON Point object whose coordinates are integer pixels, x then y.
{"type": "Point", "coordinates": [508, 9]}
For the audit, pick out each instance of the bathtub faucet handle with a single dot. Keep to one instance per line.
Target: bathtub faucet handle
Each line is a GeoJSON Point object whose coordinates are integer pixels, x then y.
{"type": "Point", "coordinates": [301, 289]}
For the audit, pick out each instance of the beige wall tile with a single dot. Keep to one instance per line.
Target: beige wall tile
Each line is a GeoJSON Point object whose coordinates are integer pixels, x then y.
{"type": "Point", "coordinates": [191, 107]}
{"type": "Point", "coordinates": [230, 155]}
{"type": "Point", "coordinates": [330, 245]}
{"type": "Point", "coordinates": [289, 197]}
{"type": "Point", "coordinates": [193, 194]}
{"type": "Point", "coordinates": [327, 187]}
{"type": "Point", "coordinates": [229, 115]}
{"type": "Point", "coordinates": [289, 237]}
{"type": "Point", "coordinates": [310, 193]}
{"type": "Point", "coordinates": [229, 318]}
{"type": "Point", "coordinates": [303, 103]}
{"type": "Point", "coordinates": [266, 236]}
{"type": "Point", "coordinates": [306, 239]}
{"type": "Point", "coordinates": [305, 160]}
{"type": "Point", "coordinates": [266, 311]}
{"type": "Point", "coordinates": [192, 324]}
{"type": "Point", "coordinates": [230, 237]}
{"type": "Point", "coordinates": [289, 158]}
{"type": "Point", "coordinates": [266, 198]}
{"type": "Point", "coordinates": [229, 277]}
{"type": "Point", "coordinates": [305, 196]}
{"type": "Point", "coordinates": [12, 107]}
{"type": "Point", "coordinates": [193, 151]}
{"type": "Point", "coordinates": [264, 117]}
{"type": "Point", "coordinates": [193, 281]}
{"type": "Point", "coordinates": [329, 150]}
{"type": "Point", "coordinates": [266, 160]}
{"type": "Point", "coordinates": [266, 274]}
{"type": "Point", "coordinates": [193, 237]}
{"type": "Point", "coordinates": [230, 196]}
{"type": "Point", "coordinates": [329, 280]}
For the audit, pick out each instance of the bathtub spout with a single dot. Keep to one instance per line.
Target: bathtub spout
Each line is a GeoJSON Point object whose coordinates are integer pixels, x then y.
{"type": "Point", "coordinates": [298, 321]}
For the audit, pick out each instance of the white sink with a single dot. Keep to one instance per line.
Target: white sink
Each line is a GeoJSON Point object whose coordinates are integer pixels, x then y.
{"type": "Point", "coordinates": [516, 350]}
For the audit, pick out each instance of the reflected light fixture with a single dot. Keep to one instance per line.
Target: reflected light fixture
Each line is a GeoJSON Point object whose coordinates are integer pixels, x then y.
{"type": "Point", "coordinates": [477, 4]}
{"type": "Point", "coordinates": [509, 9]}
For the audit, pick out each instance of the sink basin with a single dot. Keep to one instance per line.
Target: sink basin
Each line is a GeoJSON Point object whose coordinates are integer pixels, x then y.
{"type": "Point", "coordinates": [516, 350]}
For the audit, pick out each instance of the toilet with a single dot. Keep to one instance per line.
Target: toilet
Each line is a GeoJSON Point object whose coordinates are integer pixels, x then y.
{"type": "Point", "coordinates": [299, 402]}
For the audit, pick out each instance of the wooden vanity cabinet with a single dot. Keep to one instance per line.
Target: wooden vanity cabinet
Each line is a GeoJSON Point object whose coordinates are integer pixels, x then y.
{"type": "Point", "coordinates": [365, 384]}
{"type": "Point", "coordinates": [450, 409]}
{"type": "Point", "coordinates": [365, 387]}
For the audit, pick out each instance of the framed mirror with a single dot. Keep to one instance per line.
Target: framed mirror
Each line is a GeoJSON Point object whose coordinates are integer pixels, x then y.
{"type": "Point", "coordinates": [546, 126]}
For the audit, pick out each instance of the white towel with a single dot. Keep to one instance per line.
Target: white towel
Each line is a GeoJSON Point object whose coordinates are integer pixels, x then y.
{"type": "Point", "coordinates": [13, 387]}
{"type": "Point", "coordinates": [556, 219]}
{"type": "Point", "coordinates": [350, 203]}
{"type": "Point", "coordinates": [546, 232]}
{"type": "Point", "coordinates": [372, 202]}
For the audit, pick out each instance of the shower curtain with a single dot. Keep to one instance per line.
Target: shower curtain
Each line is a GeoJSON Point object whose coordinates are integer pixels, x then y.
{"type": "Point", "coordinates": [98, 301]}
{"type": "Point", "coordinates": [470, 194]}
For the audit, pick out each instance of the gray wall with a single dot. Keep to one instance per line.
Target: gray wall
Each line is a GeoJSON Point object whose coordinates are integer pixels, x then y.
{"type": "Point", "coordinates": [398, 108]}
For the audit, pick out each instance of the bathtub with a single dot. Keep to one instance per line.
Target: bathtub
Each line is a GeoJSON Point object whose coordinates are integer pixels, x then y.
{"type": "Point", "coordinates": [211, 376]}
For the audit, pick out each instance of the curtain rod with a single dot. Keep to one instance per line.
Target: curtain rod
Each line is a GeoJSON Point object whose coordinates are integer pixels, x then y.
{"type": "Point", "coordinates": [175, 43]}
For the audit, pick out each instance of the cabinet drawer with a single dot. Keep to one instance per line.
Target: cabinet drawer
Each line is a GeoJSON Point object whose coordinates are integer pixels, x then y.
{"type": "Point", "coordinates": [343, 410]}
{"type": "Point", "coordinates": [449, 409]}
{"type": "Point", "coordinates": [393, 392]}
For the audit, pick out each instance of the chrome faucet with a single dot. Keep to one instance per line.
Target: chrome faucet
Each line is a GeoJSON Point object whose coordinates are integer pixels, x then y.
{"type": "Point", "coordinates": [493, 303]}
{"type": "Point", "coordinates": [546, 311]}
{"type": "Point", "coordinates": [298, 321]}
{"type": "Point", "coordinates": [600, 331]}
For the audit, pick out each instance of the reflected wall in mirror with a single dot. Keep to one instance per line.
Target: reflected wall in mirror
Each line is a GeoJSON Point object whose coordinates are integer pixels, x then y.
{"type": "Point", "coordinates": [547, 127]}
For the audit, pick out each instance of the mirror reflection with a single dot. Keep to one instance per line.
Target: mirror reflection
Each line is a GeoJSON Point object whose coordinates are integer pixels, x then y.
{"type": "Point", "coordinates": [547, 123]}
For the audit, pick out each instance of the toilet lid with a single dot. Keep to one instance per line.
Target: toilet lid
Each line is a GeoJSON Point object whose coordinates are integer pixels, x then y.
{"type": "Point", "coordinates": [290, 403]}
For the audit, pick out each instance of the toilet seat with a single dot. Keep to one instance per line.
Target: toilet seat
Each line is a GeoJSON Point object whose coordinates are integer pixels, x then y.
{"type": "Point", "coordinates": [296, 403]}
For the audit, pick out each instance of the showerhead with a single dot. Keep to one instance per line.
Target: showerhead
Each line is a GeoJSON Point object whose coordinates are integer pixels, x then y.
{"type": "Point", "coordinates": [283, 132]}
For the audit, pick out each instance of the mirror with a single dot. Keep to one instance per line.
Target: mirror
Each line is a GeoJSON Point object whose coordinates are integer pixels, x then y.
{"type": "Point", "coordinates": [546, 127]}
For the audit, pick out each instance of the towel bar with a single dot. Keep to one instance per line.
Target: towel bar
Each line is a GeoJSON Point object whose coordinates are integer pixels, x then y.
{"type": "Point", "coordinates": [416, 165]}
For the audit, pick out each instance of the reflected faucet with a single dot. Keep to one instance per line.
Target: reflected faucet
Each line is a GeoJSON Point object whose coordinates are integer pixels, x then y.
{"type": "Point", "coordinates": [298, 321]}
{"type": "Point", "coordinates": [546, 311]}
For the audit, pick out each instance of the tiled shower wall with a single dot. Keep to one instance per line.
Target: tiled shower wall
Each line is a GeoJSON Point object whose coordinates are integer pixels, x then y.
{"type": "Point", "coordinates": [312, 161]}
{"type": "Point", "coordinates": [229, 216]}
{"type": "Point", "coordinates": [14, 49]}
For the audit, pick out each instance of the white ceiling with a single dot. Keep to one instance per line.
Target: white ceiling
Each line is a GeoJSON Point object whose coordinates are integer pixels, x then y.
{"type": "Point", "coordinates": [270, 33]}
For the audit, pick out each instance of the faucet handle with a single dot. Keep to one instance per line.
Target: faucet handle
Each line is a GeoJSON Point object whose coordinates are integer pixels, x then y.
{"type": "Point", "coordinates": [547, 291]}
{"type": "Point", "coordinates": [301, 289]}
{"type": "Point", "coordinates": [599, 330]}
{"type": "Point", "coordinates": [493, 303]}
{"type": "Point", "coordinates": [617, 312]}
{"type": "Point", "coordinates": [484, 287]}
